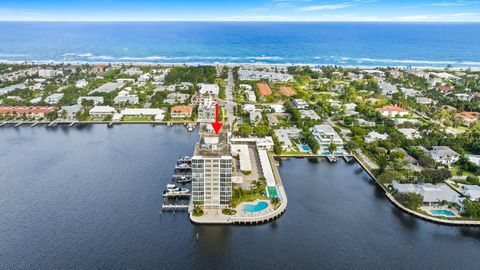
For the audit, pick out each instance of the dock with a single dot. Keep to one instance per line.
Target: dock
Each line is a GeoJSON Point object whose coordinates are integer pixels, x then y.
{"type": "Point", "coordinates": [18, 124]}
{"type": "Point", "coordinates": [174, 207]}
{"type": "Point", "coordinates": [332, 159]}
{"type": "Point", "coordinates": [53, 123]}
{"type": "Point", "coordinates": [173, 196]}
{"type": "Point", "coordinates": [34, 124]}
{"type": "Point", "coordinates": [72, 124]}
{"type": "Point", "coordinates": [3, 124]}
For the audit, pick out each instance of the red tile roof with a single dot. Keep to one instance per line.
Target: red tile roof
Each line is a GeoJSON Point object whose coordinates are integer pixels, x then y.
{"type": "Point", "coordinates": [287, 91]}
{"type": "Point", "coordinates": [264, 89]}
{"type": "Point", "coordinates": [26, 110]}
{"type": "Point", "coordinates": [391, 108]}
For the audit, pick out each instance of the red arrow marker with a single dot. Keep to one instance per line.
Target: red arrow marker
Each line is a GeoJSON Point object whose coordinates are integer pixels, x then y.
{"type": "Point", "coordinates": [216, 125]}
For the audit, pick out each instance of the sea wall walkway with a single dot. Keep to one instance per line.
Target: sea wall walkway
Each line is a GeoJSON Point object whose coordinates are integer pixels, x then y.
{"type": "Point", "coordinates": [450, 222]}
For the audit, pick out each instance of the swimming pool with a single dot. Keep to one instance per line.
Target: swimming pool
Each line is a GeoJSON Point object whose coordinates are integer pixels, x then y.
{"type": "Point", "coordinates": [255, 207]}
{"type": "Point", "coordinates": [442, 212]}
{"type": "Point", "coordinates": [304, 148]}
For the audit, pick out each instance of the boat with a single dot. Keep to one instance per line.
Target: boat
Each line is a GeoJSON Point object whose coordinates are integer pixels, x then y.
{"type": "Point", "coordinates": [332, 158]}
{"type": "Point", "coordinates": [183, 167]}
{"type": "Point", "coordinates": [182, 179]}
{"type": "Point", "coordinates": [174, 191]}
{"type": "Point", "coordinates": [184, 160]}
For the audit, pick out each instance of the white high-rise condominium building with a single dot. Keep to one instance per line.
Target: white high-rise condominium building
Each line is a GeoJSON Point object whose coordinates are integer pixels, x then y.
{"type": "Point", "coordinates": [212, 172]}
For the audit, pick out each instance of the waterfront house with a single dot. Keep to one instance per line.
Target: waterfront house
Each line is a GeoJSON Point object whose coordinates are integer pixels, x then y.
{"type": "Point", "coordinates": [432, 194]}
{"type": "Point", "coordinates": [71, 111]}
{"type": "Point", "coordinates": [392, 111]}
{"type": "Point", "coordinates": [184, 111]}
{"type": "Point", "coordinates": [444, 155]}
{"type": "Point", "coordinates": [31, 112]}
{"type": "Point", "coordinates": [285, 135]}
{"type": "Point", "coordinates": [101, 111]}
{"type": "Point", "coordinates": [158, 114]}
{"type": "Point", "coordinates": [374, 136]}
{"type": "Point", "coordinates": [326, 135]}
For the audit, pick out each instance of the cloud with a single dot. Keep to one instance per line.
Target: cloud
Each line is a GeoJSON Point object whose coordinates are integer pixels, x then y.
{"type": "Point", "coordinates": [325, 7]}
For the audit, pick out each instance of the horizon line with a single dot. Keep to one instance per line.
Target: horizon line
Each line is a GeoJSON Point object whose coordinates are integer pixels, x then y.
{"type": "Point", "coordinates": [240, 21]}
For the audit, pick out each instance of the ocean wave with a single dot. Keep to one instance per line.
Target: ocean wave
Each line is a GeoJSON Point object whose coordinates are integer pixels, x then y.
{"type": "Point", "coordinates": [409, 61]}
{"type": "Point", "coordinates": [91, 56]}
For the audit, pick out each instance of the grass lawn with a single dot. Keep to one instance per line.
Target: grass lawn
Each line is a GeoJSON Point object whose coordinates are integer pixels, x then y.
{"type": "Point", "coordinates": [137, 118]}
{"type": "Point", "coordinates": [248, 196]}
{"type": "Point", "coordinates": [455, 169]}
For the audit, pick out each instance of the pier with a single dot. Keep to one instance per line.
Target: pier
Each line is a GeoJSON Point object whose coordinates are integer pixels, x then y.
{"type": "Point", "coordinates": [18, 124]}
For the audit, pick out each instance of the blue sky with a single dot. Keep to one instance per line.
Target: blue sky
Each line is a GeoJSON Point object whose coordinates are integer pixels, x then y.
{"type": "Point", "coordinates": [241, 10]}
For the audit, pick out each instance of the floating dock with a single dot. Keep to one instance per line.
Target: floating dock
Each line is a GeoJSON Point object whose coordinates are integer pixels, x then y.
{"type": "Point", "coordinates": [175, 207]}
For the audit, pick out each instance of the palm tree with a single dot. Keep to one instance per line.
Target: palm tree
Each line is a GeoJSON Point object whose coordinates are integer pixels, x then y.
{"type": "Point", "coordinates": [332, 147]}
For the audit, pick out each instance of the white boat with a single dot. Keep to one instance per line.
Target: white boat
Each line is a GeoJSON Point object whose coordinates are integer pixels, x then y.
{"type": "Point", "coordinates": [174, 191]}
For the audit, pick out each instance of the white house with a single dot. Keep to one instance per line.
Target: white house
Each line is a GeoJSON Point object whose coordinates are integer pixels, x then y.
{"type": "Point", "coordinates": [54, 98]}
{"type": "Point", "coordinates": [392, 111]}
{"type": "Point", "coordinates": [431, 193]}
{"type": "Point", "coordinates": [255, 117]}
{"type": "Point", "coordinates": [300, 104]}
{"type": "Point", "coordinates": [208, 89]}
{"type": "Point", "coordinates": [444, 155]}
{"type": "Point", "coordinates": [471, 191]}
{"type": "Point", "coordinates": [95, 99]}
{"type": "Point", "coordinates": [102, 111]}
{"type": "Point", "coordinates": [81, 83]}
{"type": "Point", "coordinates": [326, 135]}
{"type": "Point", "coordinates": [410, 133]}
{"type": "Point", "coordinates": [374, 136]}
{"type": "Point", "coordinates": [309, 114]}
{"type": "Point", "coordinates": [285, 135]}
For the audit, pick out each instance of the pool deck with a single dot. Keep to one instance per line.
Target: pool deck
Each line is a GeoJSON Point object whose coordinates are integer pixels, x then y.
{"type": "Point", "coordinates": [216, 217]}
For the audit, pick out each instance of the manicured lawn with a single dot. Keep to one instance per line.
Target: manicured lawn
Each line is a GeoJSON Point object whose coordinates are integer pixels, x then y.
{"type": "Point", "coordinates": [248, 196]}
{"type": "Point", "coordinates": [455, 170]}
{"type": "Point", "coordinates": [137, 118]}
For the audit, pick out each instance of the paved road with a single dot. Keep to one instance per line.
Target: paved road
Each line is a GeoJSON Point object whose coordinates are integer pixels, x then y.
{"type": "Point", "coordinates": [230, 104]}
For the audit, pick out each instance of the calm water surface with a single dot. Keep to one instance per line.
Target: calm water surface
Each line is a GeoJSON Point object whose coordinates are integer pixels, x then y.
{"type": "Point", "coordinates": [90, 198]}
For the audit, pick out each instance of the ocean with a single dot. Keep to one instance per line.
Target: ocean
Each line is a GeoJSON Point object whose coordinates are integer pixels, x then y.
{"type": "Point", "coordinates": [348, 44]}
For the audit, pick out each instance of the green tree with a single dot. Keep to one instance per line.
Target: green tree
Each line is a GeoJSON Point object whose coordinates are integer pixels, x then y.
{"type": "Point", "coordinates": [410, 200]}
